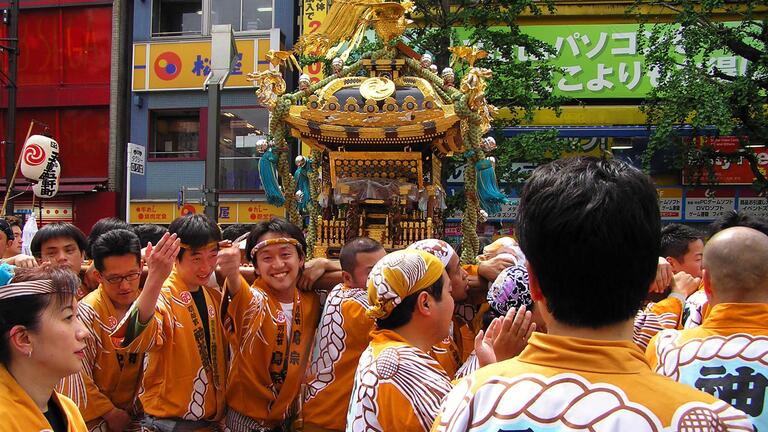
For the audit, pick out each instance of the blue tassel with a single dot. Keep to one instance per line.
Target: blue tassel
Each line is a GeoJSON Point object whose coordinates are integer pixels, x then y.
{"type": "Point", "coordinates": [491, 198]}
{"type": "Point", "coordinates": [268, 175]}
{"type": "Point", "coordinates": [302, 184]}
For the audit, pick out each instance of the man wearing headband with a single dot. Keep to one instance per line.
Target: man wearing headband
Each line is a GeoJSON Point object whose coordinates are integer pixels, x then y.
{"type": "Point", "coordinates": [106, 389]}
{"type": "Point", "coordinates": [185, 375]}
{"type": "Point", "coordinates": [398, 386]}
{"type": "Point", "coordinates": [585, 373]}
{"type": "Point", "coordinates": [270, 327]}
{"type": "Point", "coordinates": [454, 350]}
{"type": "Point", "coordinates": [41, 342]}
{"type": "Point", "coordinates": [343, 335]}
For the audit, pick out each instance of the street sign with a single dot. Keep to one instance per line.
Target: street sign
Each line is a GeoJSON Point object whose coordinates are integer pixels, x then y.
{"type": "Point", "coordinates": [137, 158]}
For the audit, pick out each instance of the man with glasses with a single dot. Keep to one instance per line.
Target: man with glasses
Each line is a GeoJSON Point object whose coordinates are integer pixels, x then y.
{"type": "Point", "coordinates": [105, 391]}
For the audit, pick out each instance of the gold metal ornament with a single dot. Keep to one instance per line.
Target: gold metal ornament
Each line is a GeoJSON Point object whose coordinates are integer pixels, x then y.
{"type": "Point", "coordinates": [377, 88]}
{"type": "Point", "coordinates": [269, 86]}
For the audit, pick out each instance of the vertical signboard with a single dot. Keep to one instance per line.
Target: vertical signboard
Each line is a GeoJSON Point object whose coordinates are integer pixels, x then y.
{"type": "Point", "coordinates": [671, 203]}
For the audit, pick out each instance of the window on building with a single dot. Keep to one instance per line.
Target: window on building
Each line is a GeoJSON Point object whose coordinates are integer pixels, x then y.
{"type": "Point", "coordinates": [244, 15]}
{"type": "Point", "coordinates": [185, 17]}
{"type": "Point", "coordinates": [238, 161]}
{"type": "Point", "coordinates": [177, 17]}
{"type": "Point", "coordinates": [175, 134]}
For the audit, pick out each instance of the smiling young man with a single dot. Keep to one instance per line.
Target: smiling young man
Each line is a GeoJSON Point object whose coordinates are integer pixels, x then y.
{"type": "Point", "coordinates": [62, 244]}
{"type": "Point", "coordinates": [183, 384]}
{"type": "Point", "coordinates": [106, 389]}
{"type": "Point", "coordinates": [270, 326]}
{"type": "Point", "coordinates": [342, 336]}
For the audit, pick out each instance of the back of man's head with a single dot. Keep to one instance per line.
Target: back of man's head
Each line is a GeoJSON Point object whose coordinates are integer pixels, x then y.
{"type": "Point", "coordinates": [737, 218]}
{"type": "Point", "coordinates": [590, 229]}
{"type": "Point", "coordinates": [735, 266]}
{"type": "Point", "coordinates": [104, 225]}
{"type": "Point", "coordinates": [235, 231]}
{"type": "Point", "coordinates": [149, 233]}
{"type": "Point", "coordinates": [676, 238]}
{"type": "Point", "coordinates": [348, 254]}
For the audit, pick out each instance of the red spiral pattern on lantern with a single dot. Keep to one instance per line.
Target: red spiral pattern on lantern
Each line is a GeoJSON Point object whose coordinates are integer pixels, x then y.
{"type": "Point", "coordinates": [34, 155]}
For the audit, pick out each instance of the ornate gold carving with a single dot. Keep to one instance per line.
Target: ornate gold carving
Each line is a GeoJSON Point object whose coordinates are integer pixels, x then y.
{"type": "Point", "coordinates": [377, 88]}
{"type": "Point", "coordinates": [269, 86]}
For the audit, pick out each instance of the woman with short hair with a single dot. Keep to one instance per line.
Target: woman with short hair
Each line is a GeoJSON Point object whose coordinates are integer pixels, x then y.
{"type": "Point", "coordinates": [41, 342]}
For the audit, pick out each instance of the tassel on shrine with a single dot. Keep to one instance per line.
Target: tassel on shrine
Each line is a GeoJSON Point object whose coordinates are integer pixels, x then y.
{"type": "Point", "coordinates": [302, 184]}
{"type": "Point", "coordinates": [491, 198]}
{"type": "Point", "coordinates": [268, 175]}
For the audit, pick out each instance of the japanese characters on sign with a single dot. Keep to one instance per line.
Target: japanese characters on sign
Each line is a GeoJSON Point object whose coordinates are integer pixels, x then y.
{"type": "Point", "coordinates": [706, 205]}
{"type": "Point", "coordinates": [671, 203]}
{"type": "Point", "coordinates": [229, 212]}
{"type": "Point", "coordinates": [157, 213]}
{"type": "Point", "coordinates": [137, 158]}
{"type": "Point", "coordinates": [314, 15]}
{"type": "Point", "coordinates": [603, 60]}
{"type": "Point", "coordinates": [752, 203]}
{"type": "Point", "coordinates": [185, 65]}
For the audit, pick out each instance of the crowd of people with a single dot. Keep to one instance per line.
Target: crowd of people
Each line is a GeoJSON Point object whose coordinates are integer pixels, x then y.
{"type": "Point", "coordinates": [594, 317]}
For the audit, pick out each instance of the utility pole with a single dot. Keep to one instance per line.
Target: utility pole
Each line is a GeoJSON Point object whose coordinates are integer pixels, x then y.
{"type": "Point", "coordinates": [11, 45]}
{"type": "Point", "coordinates": [223, 52]}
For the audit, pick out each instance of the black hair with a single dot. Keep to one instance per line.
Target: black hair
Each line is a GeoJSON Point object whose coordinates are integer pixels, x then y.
{"type": "Point", "coordinates": [235, 231]}
{"type": "Point", "coordinates": [275, 225]}
{"type": "Point", "coordinates": [13, 221]}
{"type": "Point", "coordinates": [118, 242]}
{"type": "Point", "coordinates": [102, 226]}
{"type": "Point", "coordinates": [403, 312]}
{"type": "Point", "coordinates": [738, 219]}
{"type": "Point", "coordinates": [149, 233]}
{"type": "Point", "coordinates": [675, 239]}
{"type": "Point", "coordinates": [57, 230]}
{"type": "Point", "coordinates": [348, 254]}
{"type": "Point", "coordinates": [577, 212]}
{"type": "Point", "coordinates": [27, 310]}
{"type": "Point", "coordinates": [5, 228]}
{"type": "Point", "coordinates": [195, 231]}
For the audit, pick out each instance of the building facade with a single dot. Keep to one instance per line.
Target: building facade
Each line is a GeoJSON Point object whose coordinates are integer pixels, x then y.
{"type": "Point", "coordinates": [64, 86]}
{"type": "Point", "coordinates": [169, 108]}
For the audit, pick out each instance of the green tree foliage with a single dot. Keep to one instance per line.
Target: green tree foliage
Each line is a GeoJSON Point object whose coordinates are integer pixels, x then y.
{"type": "Point", "coordinates": [696, 89]}
{"type": "Point", "coordinates": [518, 88]}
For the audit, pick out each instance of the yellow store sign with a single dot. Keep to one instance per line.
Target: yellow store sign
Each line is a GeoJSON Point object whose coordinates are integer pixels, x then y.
{"type": "Point", "coordinates": [152, 213]}
{"type": "Point", "coordinates": [184, 65]}
{"type": "Point", "coordinates": [257, 212]}
{"type": "Point", "coordinates": [229, 212]}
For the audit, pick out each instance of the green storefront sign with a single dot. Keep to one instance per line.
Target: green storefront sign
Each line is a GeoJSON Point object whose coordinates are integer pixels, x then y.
{"type": "Point", "coordinates": [602, 60]}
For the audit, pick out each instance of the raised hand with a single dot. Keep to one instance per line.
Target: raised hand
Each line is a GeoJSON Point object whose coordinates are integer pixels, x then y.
{"type": "Point", "coordinates": [685, 284]}
{"type": "Point", "coordinates": [229, 265]}
{"type": "Point", "coordinates": [484, 343]}
{"type": "Point", "coordinates": [491, 268]}
{"type": "Point", "coordinates": [160, 258]}
{"type": "Point", "coordinates": [512, 336]}
{"type": "Point", "coordinates": [663, 277]}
